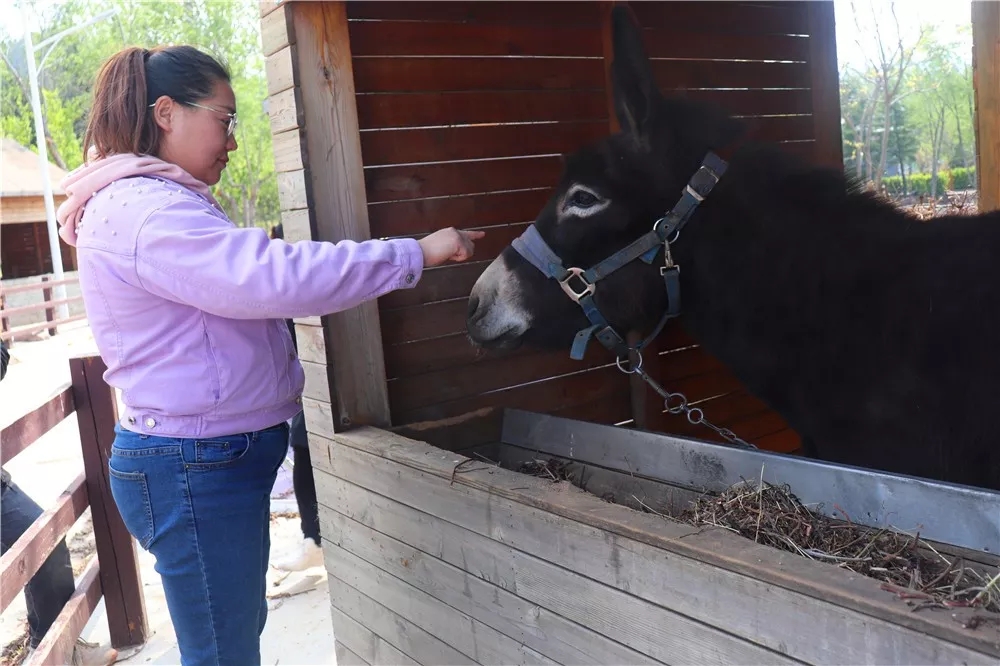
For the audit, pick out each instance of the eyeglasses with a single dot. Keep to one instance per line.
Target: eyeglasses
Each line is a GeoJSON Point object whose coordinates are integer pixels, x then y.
{"type": "Point", "coordinates": [233, 122]}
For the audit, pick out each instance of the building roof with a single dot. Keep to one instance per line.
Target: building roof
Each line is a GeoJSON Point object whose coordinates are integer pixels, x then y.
{"type": "Point", "coordinates": [19, 173]}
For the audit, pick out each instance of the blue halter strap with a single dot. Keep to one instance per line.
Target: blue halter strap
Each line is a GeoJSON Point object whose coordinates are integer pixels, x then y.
{"type": "Point", "coordinates": [580, 285]}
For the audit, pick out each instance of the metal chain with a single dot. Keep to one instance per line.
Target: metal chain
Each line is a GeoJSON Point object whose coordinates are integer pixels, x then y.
{"type": "Point", "coordinates": [695, 415]}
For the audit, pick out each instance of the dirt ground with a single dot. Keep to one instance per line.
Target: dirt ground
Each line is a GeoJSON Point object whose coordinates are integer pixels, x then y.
{"type": "Point", "coordinates": [299, 628]}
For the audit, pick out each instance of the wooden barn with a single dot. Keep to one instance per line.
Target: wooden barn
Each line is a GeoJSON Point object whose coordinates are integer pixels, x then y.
{"type": "Point", "coordinates": [398, 118]}
{"type": "Point", "coordinates": [24, 236]}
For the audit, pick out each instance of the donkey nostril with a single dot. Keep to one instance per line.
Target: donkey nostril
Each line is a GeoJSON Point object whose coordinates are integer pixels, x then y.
{"type": "Point", "coordinates": [473, 306]}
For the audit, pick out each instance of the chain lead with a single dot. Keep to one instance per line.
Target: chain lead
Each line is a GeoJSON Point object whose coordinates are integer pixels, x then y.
{"type": "Point", "coordinates": [677, 403]}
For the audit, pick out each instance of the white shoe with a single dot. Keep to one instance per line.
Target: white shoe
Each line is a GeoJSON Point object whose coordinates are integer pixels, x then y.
{"type": "Point", "coordinates": [306, 556]}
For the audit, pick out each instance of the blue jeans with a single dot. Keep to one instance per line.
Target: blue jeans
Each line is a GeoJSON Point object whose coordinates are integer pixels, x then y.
{"type": "Point", "coordinates": [201, 507]}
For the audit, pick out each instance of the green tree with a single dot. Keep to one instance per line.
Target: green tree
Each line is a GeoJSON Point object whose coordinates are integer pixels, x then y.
{"type": "Point", "coordinates": [229, 30]}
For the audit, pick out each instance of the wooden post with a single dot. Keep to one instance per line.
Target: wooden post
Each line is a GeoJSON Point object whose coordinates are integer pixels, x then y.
{"type": "Point", "coordinates": [825, 76]}
{"type": "Point", "coordinates": [986, 82]}
{"type": "Point", "coordinates": [335, 191]}
{"type": "Point", "coordinates": [50, 313]}
{"type": "Point", "coordinates": [97, 414]}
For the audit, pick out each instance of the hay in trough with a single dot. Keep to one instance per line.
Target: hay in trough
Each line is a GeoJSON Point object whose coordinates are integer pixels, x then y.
{"type": "Point", "coordinates": [771, 515]}
{"type": "Point", "coordinates": [904, 563]}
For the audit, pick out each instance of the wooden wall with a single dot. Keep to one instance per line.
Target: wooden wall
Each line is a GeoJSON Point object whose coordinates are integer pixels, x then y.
{"type": "Point", "coordinates": [24, 250]}
{"type": "Point", "coordinates": [456, 114]}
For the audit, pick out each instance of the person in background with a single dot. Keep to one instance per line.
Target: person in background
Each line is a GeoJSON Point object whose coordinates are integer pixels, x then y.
{"type": "Point", "coordinates": [47, 592]}
{"type": "Point", "coordinates": [310, 552]}
{"type": "Point", "coordinates": [186, 310]}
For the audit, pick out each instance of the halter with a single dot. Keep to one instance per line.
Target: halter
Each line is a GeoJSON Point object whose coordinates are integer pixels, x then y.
{"type": "Point", "coordinates": [665, 231]}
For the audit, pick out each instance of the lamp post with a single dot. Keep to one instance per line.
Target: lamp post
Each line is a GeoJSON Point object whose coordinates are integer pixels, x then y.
{"type": "Point", "coordinates": [59, 292]}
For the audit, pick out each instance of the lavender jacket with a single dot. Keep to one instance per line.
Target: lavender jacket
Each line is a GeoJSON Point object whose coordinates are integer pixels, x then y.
{"type": "Point", "coordinates": [188, 310]}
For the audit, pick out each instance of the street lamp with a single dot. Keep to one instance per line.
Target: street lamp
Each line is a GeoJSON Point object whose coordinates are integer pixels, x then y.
{"type": "Point", "coordinates": [59, 292]}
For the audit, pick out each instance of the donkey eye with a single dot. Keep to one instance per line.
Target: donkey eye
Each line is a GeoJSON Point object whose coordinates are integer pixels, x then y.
{"type": "Point", "coordinates": [583, 199]}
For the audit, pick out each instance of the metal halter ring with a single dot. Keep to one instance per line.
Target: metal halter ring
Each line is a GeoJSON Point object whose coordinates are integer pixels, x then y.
{"type": "Point", "coordinates": [678, 408]}
{"type": "Point", "coordinates": [637, 368]}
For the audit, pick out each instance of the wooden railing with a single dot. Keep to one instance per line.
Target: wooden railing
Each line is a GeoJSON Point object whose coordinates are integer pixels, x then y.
{"type": "Point", "coordinates": [114, 571]}
{"type": "Point", "coordinates": [48, 304]}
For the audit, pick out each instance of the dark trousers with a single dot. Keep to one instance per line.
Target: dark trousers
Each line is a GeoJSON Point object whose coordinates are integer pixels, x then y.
{"type": "Point", "coordinates": [302, 480]}
{"type": "Point", "coordinates": [52, 586]}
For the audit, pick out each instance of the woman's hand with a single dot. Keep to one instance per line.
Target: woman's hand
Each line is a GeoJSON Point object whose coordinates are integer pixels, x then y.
{"type": "Point", "coordinates": [448, 245]}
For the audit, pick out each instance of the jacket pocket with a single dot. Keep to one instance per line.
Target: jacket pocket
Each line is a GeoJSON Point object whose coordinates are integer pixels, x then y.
{"type": "Point", "coordinates": [131, 494]}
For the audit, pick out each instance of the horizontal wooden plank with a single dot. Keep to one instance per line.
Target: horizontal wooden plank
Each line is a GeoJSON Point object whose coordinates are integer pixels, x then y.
{"type": "Point", "coordinates": [788, 18]}
{"type": "Point", "coordinates": [285, 111]}
{"type": "Point", "coordinates": [376, 111]}
{"type": "Point", "coordinates": [449, 282]}
{"type": "Point", "coordinates": [755, 102]}
{"type": "Point", "coordinates": [276, 31]}
{"type": "Point", "coordinates": [23, 432]}
{"type": "Point", "coordinates": [480, 11]}
{"type": "Point", "coordinates": [411, 74]}
{"type": "Point", "coordinates": [446, 144]}
{"type": "Point", "coordinates": [486, 598]}
{"type": "Point", "coordinates": [311, 343]}
{"type": "Point", "coordinates": [470, 637]}
{"type": "Point", "coordinates": [279, 68]}
{"type": "Point", "coordinates": [295, 224]}
{"type": "Point", "coordinates": [292, 190]}
{"type": "Point", "coordinates": [437, 284]}
{"type": "Point", "coordinates": [60, 641]}
{"type": "Point", "coordinates": [317, 386]}
{"type": "Point", "coordinates": [422, 322]}
{"type": "Point", "coordinates": [671, 42]}
{"type": "Point", "coordinates": [450, 351]}
{"type": "Point", "coordinates": [287, 149]}
{"type": "Point", "coordinates": [775, 598]}
{"type": "Point", "coordinates": [611, 408]}
{"type": "Point", "coordinates": [32, 548]}
{"type": "Point", "coordinates": [545, 396]}
{"type": "Point", "coordinates": [576, 621]}
{"type": "Point", "coordinates": [344, 655]}
{"type": "Point", "coordinates": [676, 74]}
{"type": "Point", "coordinates": [407, 218]}
{"type": "Point", "coordinates": [394, 629]}
{"type": "Point", "coordinates": [409, 38]}
{"type": "Point", "coordinates": [410, 393]}
{"type": "Point", "coordinates": [781, 128]}
{"type": "Point", "coordinates": [398, 183]}
{"type": "Point", "coordinates": [367, 646]}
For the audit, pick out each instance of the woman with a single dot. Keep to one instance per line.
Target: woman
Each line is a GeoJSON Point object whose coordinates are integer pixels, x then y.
{"type": "Point", "coordinates": [188, 313]}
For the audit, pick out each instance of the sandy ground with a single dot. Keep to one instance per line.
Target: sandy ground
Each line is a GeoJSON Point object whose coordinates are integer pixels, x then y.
{"type": "Point", "coordinates": [299, 628]}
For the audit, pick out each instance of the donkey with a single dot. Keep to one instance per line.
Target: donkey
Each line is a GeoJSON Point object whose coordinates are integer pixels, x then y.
{"type": "Point", "coordinates": [872, 333]}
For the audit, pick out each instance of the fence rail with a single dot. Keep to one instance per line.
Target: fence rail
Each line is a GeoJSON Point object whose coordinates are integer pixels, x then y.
{"type": "Point", "coordinates": [113, 572]}
{"type": "Point", "coordinates": [48, 304]}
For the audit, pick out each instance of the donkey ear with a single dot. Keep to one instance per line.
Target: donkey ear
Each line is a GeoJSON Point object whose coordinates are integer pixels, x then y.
{"type": "Point", "coordinates": [635, 93]}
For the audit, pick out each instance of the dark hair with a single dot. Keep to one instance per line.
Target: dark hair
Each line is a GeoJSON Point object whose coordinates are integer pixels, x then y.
{"type": "Point", "coordinates": [132, 79]}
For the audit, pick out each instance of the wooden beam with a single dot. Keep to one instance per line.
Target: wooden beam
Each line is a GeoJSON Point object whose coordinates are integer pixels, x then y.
{"type": "Point", "coordinates": [60, 640]}
{"type": "Point", "coordinates": [335, 190]}
{"type": "Point", "coordinates": [986, 81]}
{"type": "Point", "coordinates": [26, 556]}
{"type": "Point", "coordinates": [25, 431]}
{"type": "Point", "coordinates": [825, 79]}
{"type": "Point", "coordinates": [121, 583]}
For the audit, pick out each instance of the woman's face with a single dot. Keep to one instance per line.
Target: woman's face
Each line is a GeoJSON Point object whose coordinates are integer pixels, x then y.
{"type": "Point", "coordinates": [196, 138]}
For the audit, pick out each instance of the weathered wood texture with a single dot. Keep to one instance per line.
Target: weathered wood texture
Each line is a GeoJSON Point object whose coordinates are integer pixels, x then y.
{"type": "Point", "coordinates": [448, 559]}
{"type": "Point", "coordinates": [986, 81]}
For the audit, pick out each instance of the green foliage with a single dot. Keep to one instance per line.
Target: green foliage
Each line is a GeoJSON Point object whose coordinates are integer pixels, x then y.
{"type": "Point", "coordinates": [932, 121]}
{"type": "Point", "coordinates": [229, 30]}
{"type": "Point", "coordinates": [960, 178]}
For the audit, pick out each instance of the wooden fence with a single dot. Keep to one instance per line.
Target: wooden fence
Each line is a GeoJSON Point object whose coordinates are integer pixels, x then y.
{"type": "Point", "coordinates": [48, 304]}
{"type": "Point", "coordinates": [114, 572]}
